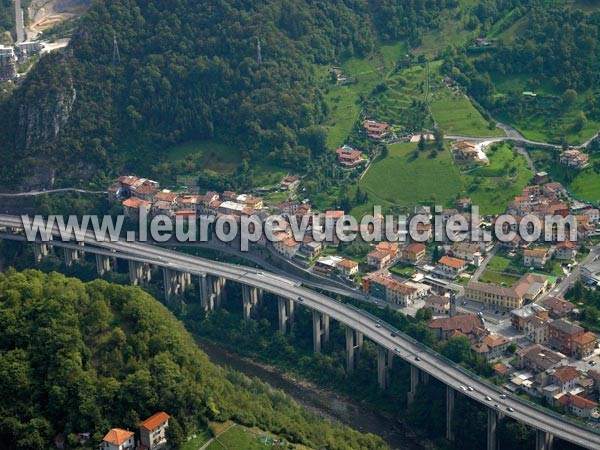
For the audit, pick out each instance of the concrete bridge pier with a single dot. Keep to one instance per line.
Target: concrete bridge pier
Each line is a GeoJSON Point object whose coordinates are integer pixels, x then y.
{"type": "Point", "coordinates": [175, 282]}
{"type": "Point", "coordinates": [354, 341]}
{"type": "Point", "coordinates": [320, 330]}
{"type": "Point", "coordinates": [102, 264]}
{"type": "Point", "coordinates": [285, 307]}
{"type": "Point", "coordinates": [217, 285]}
{"type": "Point", "coordinates": [70, 256]}
{"type": "Point", "coordinates": [249, 300]}
{"type": "Point", "coordinates": [415, 376]}
{"type": "Point", "coordinates": [384, 364]}
{"type": "Point", "coordinates": [139, 273]}
{"type": "Point", "coordinates": [492, 428]}
{"type": "Point", "coordinates": [206, 294]}
{"type": "Point", "coordinates": [450, 401]}
{"type": "Point", "coordinates": [543, 440]}
{"type": "Point", "coordinates": [40, 250]}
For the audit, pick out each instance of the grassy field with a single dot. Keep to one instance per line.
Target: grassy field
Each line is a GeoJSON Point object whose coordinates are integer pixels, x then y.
{"type": "Point", "coordinates": [492, 187]}
{"type": "Point", "coordinates": [544, 121]}
{"type": "Point", "coordinates": [451, 31]}
{"type": "Point", "coordinates": [197, 442]}
{"type": "Point", "coordinates": [242, 438]}
{"type": "Point", "coordinates": [453, 111]}
{"type": "Point", "coordinates": [583, 184]}
{"type": "Point", "coordinates": [403, 180]}
{"type": "Point", "coordinates": [500, 270]}
{"type": "Point", "coordinates": [218, 157]}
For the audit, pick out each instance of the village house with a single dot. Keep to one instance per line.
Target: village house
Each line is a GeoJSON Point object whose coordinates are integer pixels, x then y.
{"type": "Point", "coordinates": [584, 345]}
{"type": "Point", "coordinates": [378, 258]}
{"type": "Point", "coordinates": [577, 405]}
{"type": "Point", "coordinates": [529, 287]}
{"type": "Point", "coordinates": [539, 358]}
{"type": "Point", "coordinates": [573, 158]}
{"type": "Point", "coordinates": [290, 183]}
{"type": "Point", "coordinates": [118, 439]}
{"type": "Point", "coordinates": [349, 158]}
{"type": "Point", "coordinates": [536, 329]}
{"type": "Point", "coordinates": [413, 253]}
{"type": "Point", "coordinates": [520, 316]}
{"type": "Point", "coordinates": [153, 431]}
{"type": "Point", "coordinates": [465, 151]}
{"type": "Point", "coordinates": [133, 207]}
{"type": "Point", "coordinates": [593, 215]}
{"type": "Point", "coordinates": [310, 247]}
{"type": "Point", "coordinates": [390, 247]}
{"type": "Point", "coordinates": [561, 334]}
{"type": "Point", "coordinates": [439, 304]}
{"type": "Point", "coordinates": [327, 264]}
{"type": "Point", "coordinates": [376, 130]}
{"type": "Point", "coordinates": [541, 178]}
{"type": "Point", "coordinates": [469, 325]}
{"type": "Point", "coordinates": [469, 251]}
{"type": "Point", "coordinates": [492, 346]}
{"type": "Point", "coordinates": [347, 267]}
{"type": "Point", "coordinates": [565, 250]}
{"type": "Point", "coordinates": [287, 247]}
{"type": "Point", "coordinates": [450, 267]}
{"type": "Point", "coordinates": [558, 307]}
{"type": "Point", "coordinates": [536, 257]}
{"type": "Point", "coordinates": [565, 377]}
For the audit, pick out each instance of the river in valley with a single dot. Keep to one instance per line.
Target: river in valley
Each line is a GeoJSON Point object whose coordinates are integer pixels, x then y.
{"type": "Point", "coordinates": [324, 403]}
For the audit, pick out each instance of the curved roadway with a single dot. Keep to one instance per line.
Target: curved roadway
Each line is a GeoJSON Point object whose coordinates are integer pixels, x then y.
{"type": "Point", "coordinates": [402, 345]}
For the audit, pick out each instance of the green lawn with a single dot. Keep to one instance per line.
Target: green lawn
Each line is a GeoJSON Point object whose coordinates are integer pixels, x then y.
{"type": "Point", "coordinates": [403, 180]}
{"type": "Point", "coordinates": [242, 438]}
{"type": "Point", "coordinates": [214, 156]}
{"type": "Point", "coordinates": [501, 269]}
{"type": "Point", "coordinates": [491, 187]}
{"type": "Point", "coordinates": [544, 119]}
{"type": "Point", "coordinates": [197, 442]}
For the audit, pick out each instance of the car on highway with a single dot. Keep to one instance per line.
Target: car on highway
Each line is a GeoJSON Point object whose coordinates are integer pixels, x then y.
{"type": "Point", "coordinates": [503, 396]}
{"type": "Point", "coordinates": [393, 334]}
{"type": "Point", "coordinates": [377, 325]}
{"type": "Point", "coordinates": [497, 406]}
{"type": "Point", "coordinates": [300, 299]}
{"type": "Point", "coordinates": [488, 398]}
{"type": "Point", "coordinates": [417, 358]}
{"type": "Point", "coordinates": [464, 388]}
{"type": "Point", "coordinates": [510, 409]}
{"type": "Point", "coordinates": [470, 389]}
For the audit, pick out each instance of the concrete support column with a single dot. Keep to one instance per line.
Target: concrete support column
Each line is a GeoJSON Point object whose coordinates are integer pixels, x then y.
{"type": "Point", "coordinates": [70, 256]}
{"type": "Point", "coordinates": [450, 400]}
{"type": "Point", "coordinates": [320, 330]}
{"type": "Point", "coordinates": [168, 283]}
{"type": "Point", "coordinates": [217, 285]}
{"type": "Point", "coordinates": [414, 382]}
{"type": "Point", "coordinates": [206, 293]}
{"type": "Point", "coordinates": [543, 440]}
{"type": "Point", "coordinates": [102, 264]}
{"type": "Point", "coordinates": [249, 300]}
{"type": "Point", "coordinates": [354, 340]}
{"type": "Point", "coordinates": [492, 428]}
{"type": "Point", "coordinates": [139, 273]}
{"type": "Point", "coordinates": [285, 307]}
{"type": "Point", "coordinates": [384, 364]}
{"type": "Point", "coordinates": [40, 250]}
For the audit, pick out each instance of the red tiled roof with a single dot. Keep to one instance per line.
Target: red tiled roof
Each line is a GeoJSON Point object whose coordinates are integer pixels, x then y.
{"type": "Point", "coordinates": [455, 263]}
{"type": "Point", "coordinates": [566, 373]}
{"type": "Point", "coordinates": [155, 420]}
{"type": "Point", "coordinates": [117, 436]}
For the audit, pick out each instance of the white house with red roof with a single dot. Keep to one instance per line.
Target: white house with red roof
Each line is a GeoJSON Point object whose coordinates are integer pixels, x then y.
{"type": "Point", "coordinates": [118, 439]}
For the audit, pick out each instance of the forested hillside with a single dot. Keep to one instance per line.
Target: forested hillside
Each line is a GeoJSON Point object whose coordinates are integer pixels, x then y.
{"type": "Point", "coordinates": [78, 357]}
{"type": "Point", "coordinates": [191, 69]}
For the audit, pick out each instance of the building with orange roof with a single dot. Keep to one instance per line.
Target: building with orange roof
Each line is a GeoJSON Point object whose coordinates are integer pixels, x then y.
{"type": "Point", "coordinates": [565, 377]}
{"type": "Point", "coordinates": [450, 267]}
{"type": "Point", "coordinates": [413, 253]}
{"type": "Point", "coordinates": [132, 207]}
{"type": "Point", "coordinates": [390, 247]}
{"type": "Point", "coordinates": [153, 431]}
{"type": "Point", "coordinates": [584, 345]}
{"type": "Point", "coordinates": [577, 405]}
{"type": "Point", "coordinates": [347, 267]}
{"type": "Point", "coordinates": [118, 439]}
{"type": "Point", "coordinates": [348, 157]}
{"type": "Point", "coordinates": [378, 258]}
{"type": "Point", "coordinates": [469, 325]}
{"type": "Point", "coordinates": [376, 130]}
{"type": "Point", "coordinates": [565, 250]}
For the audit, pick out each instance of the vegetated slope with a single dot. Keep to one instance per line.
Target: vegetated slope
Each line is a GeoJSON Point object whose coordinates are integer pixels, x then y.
{"type": "Point", "coordinates": [189, 70]}
{"type": "Point", "coordinates": [78, 357]}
